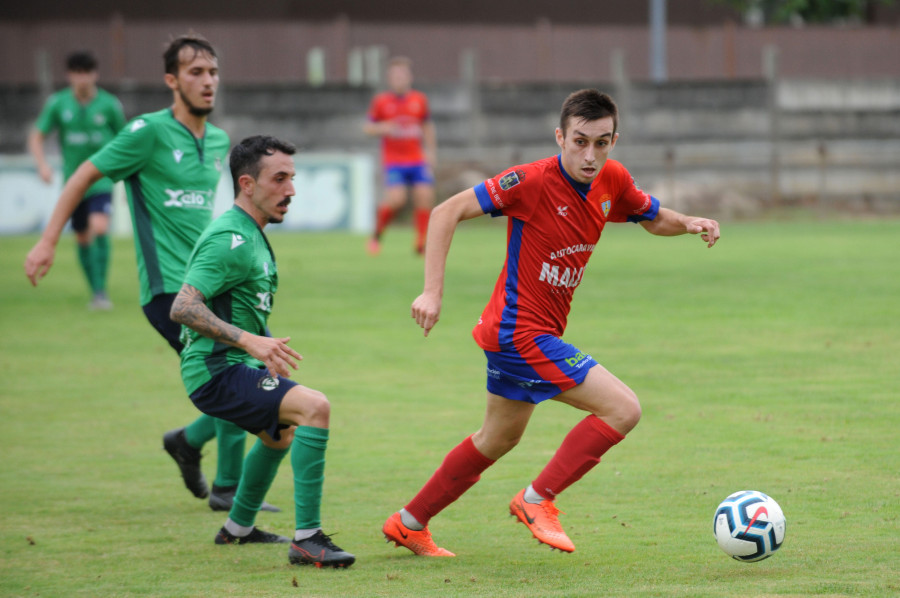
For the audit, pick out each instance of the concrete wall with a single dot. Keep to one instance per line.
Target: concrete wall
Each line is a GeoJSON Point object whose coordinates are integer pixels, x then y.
{"type": "Point", "coordinates": [762, 141]}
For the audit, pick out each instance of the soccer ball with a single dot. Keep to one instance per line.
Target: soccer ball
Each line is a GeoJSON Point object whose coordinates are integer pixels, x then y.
{"type": "Point", "coordinates": [749, 526]}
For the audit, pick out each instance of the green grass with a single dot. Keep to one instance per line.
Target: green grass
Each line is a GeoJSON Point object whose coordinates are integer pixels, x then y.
{"type": "Point", "coordinates": [769, 362]}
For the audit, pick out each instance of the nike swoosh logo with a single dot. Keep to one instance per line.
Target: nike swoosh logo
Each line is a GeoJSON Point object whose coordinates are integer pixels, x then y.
{"type": "Point", "coordinates": [404, 536]}
{"type": "Point", "coordinates": [524, 512]}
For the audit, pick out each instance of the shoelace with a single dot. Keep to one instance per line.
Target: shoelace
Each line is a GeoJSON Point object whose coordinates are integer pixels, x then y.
{"type": "Point", "coordinates": [324, 540]}
{"type": "Point", "coordinates": [552, 510]}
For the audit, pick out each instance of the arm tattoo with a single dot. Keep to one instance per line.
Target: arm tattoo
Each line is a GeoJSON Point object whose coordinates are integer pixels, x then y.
{"type": "Point", "coordinates": [189, 308]}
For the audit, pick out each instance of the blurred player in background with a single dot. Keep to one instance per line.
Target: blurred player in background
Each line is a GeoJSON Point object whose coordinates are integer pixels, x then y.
{"type": "Point", "coordinates": [224, 305]}
{"type": "Point", "coordinates": [171, 161]}
{"type": "Point", "coordinates": [86, 118]}
{"type": "Point", "coordinates": [556, 209]}
{"type": "Point", "coordinates": [400, 116]}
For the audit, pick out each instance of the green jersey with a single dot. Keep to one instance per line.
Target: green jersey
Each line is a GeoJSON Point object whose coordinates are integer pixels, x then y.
{"type": "Point", "coordinates": [234, 267]}
{"type": "Point", "coordinates": [83, 128]}
{"type": "Point", "coordinates": [170, 179]}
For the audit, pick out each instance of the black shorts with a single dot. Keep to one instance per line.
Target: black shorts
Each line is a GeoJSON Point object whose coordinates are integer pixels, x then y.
{"type": "Point", "coordinates": [100, 202]}
{"type": "Point", "coordinates": [247, 397]}
{"type": "Point", "coordinates": [157, 312]}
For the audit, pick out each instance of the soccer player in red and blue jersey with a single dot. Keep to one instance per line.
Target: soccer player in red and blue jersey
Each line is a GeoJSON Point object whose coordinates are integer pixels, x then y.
{"type": "Point", "coordinates": [556, 210]}
{"type": "Point", "coordinates": [400, 116]}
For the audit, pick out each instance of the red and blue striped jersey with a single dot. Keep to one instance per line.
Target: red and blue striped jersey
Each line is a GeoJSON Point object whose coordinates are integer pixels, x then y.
{"type": "Point", "coordinates": [554, 225]}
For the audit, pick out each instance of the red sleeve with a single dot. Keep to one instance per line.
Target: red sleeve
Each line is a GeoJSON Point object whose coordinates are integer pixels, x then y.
{"type": "Point", "coordinates": [514, 192]}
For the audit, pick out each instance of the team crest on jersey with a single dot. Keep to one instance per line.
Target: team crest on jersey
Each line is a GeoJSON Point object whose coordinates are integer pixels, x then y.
{"type": "Point", "coordinates": [510, 180]}
{"type": "Point", "coordinates": [99, 120]}
{"type": "Point", "coordinates": [606, 204]}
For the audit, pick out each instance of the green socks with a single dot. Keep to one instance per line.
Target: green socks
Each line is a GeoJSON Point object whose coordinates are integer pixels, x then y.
{"type": "Point", "coordinates": [232, 442]}
{"type": "Point", "coordinates": [100, 260]}
{"type": "Point", "coordinates": [261, 465]}
{"type": "Point", "coordinates": [87, 265]}
{"type": "Point", "coordinates": [260, 468]}
{"type": "Point", "coordinates": [308, 463]}
{"type": "Point", "coordinates": [200, 431]}
{"type": "Point", "coordinates": [94, 260]}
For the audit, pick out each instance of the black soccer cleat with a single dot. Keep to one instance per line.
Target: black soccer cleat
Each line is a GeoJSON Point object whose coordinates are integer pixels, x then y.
{"type": "Point", "coordinates": [222, 497]}
{"type": "Point", "coordinates": [320, 551]}
{"type": "Point", "coordinates": [188, 460]}
{"type": "Point", "coordinates": [256, 536]}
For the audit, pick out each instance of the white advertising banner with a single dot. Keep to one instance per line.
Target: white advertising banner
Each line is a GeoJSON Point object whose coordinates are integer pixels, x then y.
{"type": "Point", "coordinates": [334, 191]}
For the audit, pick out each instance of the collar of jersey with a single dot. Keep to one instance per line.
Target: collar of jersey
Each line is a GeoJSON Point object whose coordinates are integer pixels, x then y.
{"type": "Point", "coordinates": [580, 188]}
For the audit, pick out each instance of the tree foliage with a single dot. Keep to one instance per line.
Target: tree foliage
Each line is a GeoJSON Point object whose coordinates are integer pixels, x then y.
{"type": "Point", "coordinates": [807, 11]}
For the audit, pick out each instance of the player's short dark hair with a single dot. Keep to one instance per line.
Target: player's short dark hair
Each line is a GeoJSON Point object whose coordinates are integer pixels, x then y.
{"type": "Point", "coordinates": [588, 105]}
{"type": "Point", "coordinates": [195, 41]}
{"type": "Point", "coordinates": [81, 62]}
{"type": "Point", "coordinates": [245, 156]}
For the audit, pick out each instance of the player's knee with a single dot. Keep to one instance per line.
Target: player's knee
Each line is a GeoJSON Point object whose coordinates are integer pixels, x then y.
{"type": "Point", "coordinates": [628, 413]}
{"type": "Point", "coordinates": [494, 446]}
{"type": "Point", "coordinates": [307, 407]}
{"type": "Point", "coordinates": [318, 409]}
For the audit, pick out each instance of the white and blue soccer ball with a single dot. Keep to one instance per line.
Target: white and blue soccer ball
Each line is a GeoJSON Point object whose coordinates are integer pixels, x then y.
{"type": "Point", "coordinates": [749, 526]}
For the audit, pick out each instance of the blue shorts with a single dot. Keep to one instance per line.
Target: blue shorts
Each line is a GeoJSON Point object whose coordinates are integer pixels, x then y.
{"type": "Point", "coordinates": [100, 202]}
{"type": "Point", "coordinates": [157, 313]}
{"type": "Point", "coordinates": [408, 174]}
{"type": "Point", "coordinates": [541, 369]}
{"type": "Point", "coordinates": [247, 397]}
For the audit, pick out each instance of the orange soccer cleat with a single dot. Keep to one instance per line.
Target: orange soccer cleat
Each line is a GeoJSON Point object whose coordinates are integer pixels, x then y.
{"type": "Point", "coordinates": [419, 542]}
{"type": "Point", "coordinates": [542, 520]}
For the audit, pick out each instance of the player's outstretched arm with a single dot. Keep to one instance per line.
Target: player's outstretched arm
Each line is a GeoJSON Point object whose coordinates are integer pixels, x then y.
{"type": "Point", "coordinates": [189, 308]}
{"type": "Point", "coordinates": [669, 223]}
{"type": "Point", "coordinates": [40, 258]}
{"type": "Point", "coordinates": [426, 309]}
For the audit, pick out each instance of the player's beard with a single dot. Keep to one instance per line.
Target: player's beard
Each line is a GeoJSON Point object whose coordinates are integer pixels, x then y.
{"type": "Point", "coordinates": [194, 110]}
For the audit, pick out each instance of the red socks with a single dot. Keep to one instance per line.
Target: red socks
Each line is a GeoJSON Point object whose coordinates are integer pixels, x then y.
{"type": "Point", "coordinates": [421, 217]}
{"type": "Point", "coordinates": [462, 467]}
{"type": "Point", "coordinates": [579, 453]}
{"type": "Point", "coordinates": [383, 217]}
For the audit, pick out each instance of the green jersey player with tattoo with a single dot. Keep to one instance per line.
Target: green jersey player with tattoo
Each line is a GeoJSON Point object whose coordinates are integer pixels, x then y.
{"type": "Point", "coordinates": [233, 370]}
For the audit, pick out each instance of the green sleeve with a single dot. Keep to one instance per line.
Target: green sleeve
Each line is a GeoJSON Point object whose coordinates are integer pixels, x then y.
{"type": "Point", "coordinates": [128, 152]}
{"type": "Point", "coordinates": [48, 119]}
{"type": "Point", "coordinates": [216, 267]}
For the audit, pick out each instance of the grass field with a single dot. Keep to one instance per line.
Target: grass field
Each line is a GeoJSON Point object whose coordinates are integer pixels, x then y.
{"type": "Point", "coordinates": [769, 362]}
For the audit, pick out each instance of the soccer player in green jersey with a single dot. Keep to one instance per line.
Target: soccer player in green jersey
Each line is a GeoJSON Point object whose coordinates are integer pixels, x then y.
{"type": "Point", "coordinates": [85, 118]}
{"type": "Point", "coordinates": [171, 161]}
{"type": "Point", "coordinates": [233, 370]}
